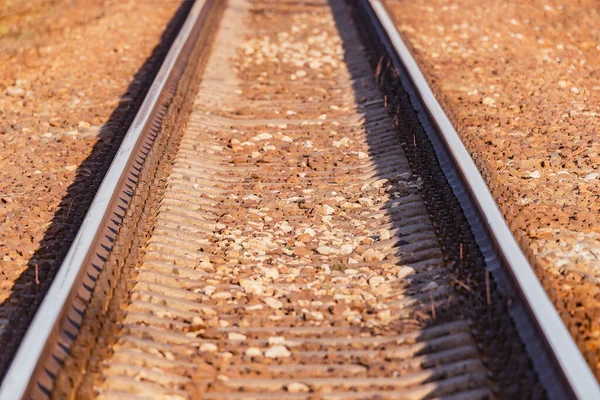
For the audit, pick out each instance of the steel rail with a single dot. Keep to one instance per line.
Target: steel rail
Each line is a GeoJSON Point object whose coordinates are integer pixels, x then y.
{"type": "Point", "coordinates": [577, 379]}
{"type": "Point", "coordinates": [56, 322]}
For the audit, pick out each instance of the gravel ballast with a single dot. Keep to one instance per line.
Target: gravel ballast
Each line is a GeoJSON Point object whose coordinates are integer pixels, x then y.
{"type": "Point", "coordinates": [72, 74]}
{"type": "Point", "coordinates": [520, 83]}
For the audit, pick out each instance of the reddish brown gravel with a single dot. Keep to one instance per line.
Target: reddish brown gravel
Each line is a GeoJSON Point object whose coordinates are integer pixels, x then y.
{"type": "Point", "coordinates": [66, 68]}
{"type": "Point", "coordinates": [520, 82]}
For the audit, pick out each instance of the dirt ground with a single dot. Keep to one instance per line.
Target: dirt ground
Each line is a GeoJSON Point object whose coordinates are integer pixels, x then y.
{"type": "Point", "coordinates": [71, 71]}
{"type": "Point", "coordinates": [520, 82]}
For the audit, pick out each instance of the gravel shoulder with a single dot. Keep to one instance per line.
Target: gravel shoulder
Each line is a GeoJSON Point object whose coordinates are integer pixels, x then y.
{"type": "Point", "coordinates": [71, 72]}
{"type": "Point", "coordinates": [520, 83]}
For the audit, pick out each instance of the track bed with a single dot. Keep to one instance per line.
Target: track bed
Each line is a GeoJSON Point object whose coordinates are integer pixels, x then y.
{"type": "Point", "coordinates": [292, 251]}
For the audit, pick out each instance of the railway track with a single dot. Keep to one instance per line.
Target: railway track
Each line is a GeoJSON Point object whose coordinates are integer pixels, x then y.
{"type": "Point", "coordinates": [291, 217]}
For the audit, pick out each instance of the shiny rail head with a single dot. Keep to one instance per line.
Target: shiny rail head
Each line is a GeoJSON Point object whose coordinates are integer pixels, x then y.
{"type": "Point", "coordinates": [577, 376]}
